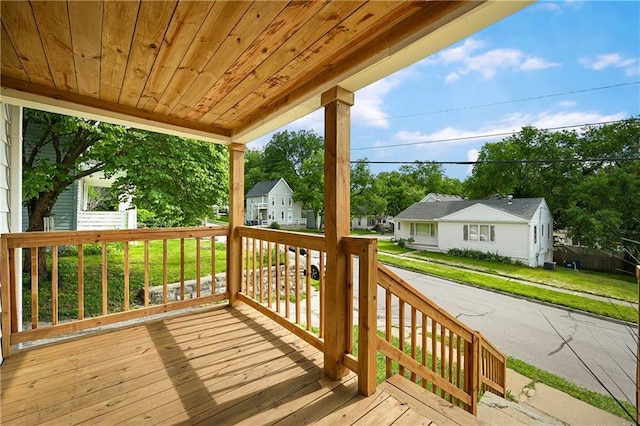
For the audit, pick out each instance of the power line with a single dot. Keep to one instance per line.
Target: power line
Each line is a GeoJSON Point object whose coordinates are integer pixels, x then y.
{"type": "Point", "coordinates": [512, 101]}
{"type": "Point", "coordinates": [485, 136]}
{"type": "Point", "coordinates": [537, 161]}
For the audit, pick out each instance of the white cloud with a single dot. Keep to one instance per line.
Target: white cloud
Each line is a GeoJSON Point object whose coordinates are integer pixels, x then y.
{"type": "Point", "coordinates": [557, 7]}
{"type": "Point", "coordinates": [468, 58]}
{"type": "Point", "coordinates": [443, 139]}
{"type": "Point", "coordinates": [566, 104]}
{"type": "Point", "coordinates": [369, 102]}
{"type": "Point", "coordinates": [607, 60]}
{"type": "Point", "coordinates": [472, 155]}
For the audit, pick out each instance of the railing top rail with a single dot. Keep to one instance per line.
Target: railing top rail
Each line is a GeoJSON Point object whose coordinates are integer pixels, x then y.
{"type": "Point", "coordinates": [489, 346]}
{"type": "Point", "coordinates": [435, 311]}
{"type": "Point", "coordinates": [298, 239]}
{"type": "Point", "coordinates": [352, 243]}
{"type": "Point", "coordinates": [41, 239]}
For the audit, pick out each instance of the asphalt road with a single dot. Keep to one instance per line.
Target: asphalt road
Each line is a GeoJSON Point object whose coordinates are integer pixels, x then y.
{"type": "Point", "coordinates": [518, 328]}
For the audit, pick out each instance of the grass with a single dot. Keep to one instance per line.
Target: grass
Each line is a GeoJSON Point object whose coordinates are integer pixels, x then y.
{"type": "Point", "coordinates": [607, 309]}
{"type": "Point", "coordinates": [393, 248]}
{"type": "Point", "coordinates": [68, 275]}
{"type": "Point", "coordinates": [596, 399]}
{"type": "Point", "coordinates": [614, 286]}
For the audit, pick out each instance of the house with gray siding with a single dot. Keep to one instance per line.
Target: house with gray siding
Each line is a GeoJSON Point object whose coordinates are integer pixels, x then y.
{"type": "Point", "coordinates": [521, 228]}
{"type": "Point", "coordinates": [272, 201]}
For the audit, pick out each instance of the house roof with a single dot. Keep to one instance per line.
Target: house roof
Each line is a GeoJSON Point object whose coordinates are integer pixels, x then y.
{"type": "Point", "coordinates": [227, 72]}
{"type": "Point", "coordinates": [441, 197]}
{"type": "Point", "coordinates": [264, 188]}
{"type": "Point", "coordinates": [524, 208]}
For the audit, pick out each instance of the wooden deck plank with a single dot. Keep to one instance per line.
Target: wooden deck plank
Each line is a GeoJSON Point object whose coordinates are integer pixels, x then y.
{"type": "Point", "coordinates": [224, 366]}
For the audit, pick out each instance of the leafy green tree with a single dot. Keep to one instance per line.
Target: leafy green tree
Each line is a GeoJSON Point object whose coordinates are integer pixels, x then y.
{"type": "Point", "coordinates": [175, 178]}
{"type": "Point", "coordinates": [253, 169]}
{"type": "Point", "coordinates": [397, 191]}
{"type": "Point", "coordinates": [366, 197]}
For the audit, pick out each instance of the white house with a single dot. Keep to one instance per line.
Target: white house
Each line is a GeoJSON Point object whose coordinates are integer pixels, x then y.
{"type": "Point", "coordinates": [521, 228]}
{"type": "Point", "coordinates": [272, 201]}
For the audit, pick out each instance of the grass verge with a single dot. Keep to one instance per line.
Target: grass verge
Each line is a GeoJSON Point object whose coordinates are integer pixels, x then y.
{"type": "Point", "coordinates": [604, 402]}
{"type": "Point", "coordinates": [597, 307]}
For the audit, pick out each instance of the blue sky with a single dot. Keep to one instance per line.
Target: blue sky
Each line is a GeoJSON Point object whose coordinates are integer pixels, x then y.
{"type": "Point", "coordinates": [549, 48]}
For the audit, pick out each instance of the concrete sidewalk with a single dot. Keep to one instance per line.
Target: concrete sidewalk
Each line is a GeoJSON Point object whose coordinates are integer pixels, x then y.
{"type": "Point", "coordinates": [541, 404]}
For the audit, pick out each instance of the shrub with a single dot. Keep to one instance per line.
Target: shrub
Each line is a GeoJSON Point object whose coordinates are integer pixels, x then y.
{"type": "Point", "coordinates": [481, 255]}
{"type": "Point", "coordinates": [403, 242]}
{"type": "Point", "coordinates": [274, 225]}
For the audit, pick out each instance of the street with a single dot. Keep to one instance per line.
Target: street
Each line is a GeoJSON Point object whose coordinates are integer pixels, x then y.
{"type": "Point", "coordinates": [518, 328]}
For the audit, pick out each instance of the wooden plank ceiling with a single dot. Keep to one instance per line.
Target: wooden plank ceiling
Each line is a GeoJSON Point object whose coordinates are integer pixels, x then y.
{"type": "Point", "coordinates": [220, 67]}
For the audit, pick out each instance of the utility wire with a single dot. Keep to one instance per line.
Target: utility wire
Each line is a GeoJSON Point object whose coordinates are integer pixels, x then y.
{"type": "Point", "coordinates": [485, 136]}
{"type": "Point", "coordinates": [537, 161]}
{"type": "Point", "coordinates": [512, 101]}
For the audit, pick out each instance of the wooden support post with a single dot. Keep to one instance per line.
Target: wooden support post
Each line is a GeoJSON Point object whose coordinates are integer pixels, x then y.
{"type": "Point", "coordinates": [236, 218]}
{"type": "Point", "coordinates": [6, 298]}
{"type": "Point", "coordinates": [472, 371]}
{"type": "Point", "coordinates": [367, 318]}
{"type": "Point", "coordinates": [337, 103]}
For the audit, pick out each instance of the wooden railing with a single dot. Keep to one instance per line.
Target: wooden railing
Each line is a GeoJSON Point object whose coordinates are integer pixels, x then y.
{"type": "Point", "coordinates": [125, 293]}
{"type": "Point", "coordinates": [432, 348]}
{"type": "Point", "coordinates": [284, 277]}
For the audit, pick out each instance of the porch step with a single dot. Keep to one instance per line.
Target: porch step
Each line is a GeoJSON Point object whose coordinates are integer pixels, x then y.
{"type": "Point", "coordinates": [427, 404]}
{"type": "Point", "coordinates": [499, 411]}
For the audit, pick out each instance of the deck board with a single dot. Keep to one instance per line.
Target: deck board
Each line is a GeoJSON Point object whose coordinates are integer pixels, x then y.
{"type": "Point", "coordinates": [222, 366]}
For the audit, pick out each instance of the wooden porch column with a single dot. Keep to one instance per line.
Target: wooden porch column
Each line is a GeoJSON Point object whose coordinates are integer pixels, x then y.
{"type": "Point", "coordinates": [236, 218]}
{"type": "Point", "coordinates": [337, 119]}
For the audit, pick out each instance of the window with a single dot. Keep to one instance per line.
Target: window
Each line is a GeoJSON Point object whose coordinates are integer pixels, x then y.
{"type": "Point", "coordinates": [290, 201]}
{"type": "Point", "coordinates": [282, 199]}
{"type": "Point", "coordinates": [273, 201]}
{"type": "Point", "coordinates": [427, 229]}
{"type": "Point", "coordinates": [282, 213]}
{"type": "Point", "coordinates": [482, 233]}
{"type": "Point", "coordinates": [399, 225]}
{"type": "Point", "coordinates": [535, 234]}
{"type": "Point", "coordinates": [548, 231]}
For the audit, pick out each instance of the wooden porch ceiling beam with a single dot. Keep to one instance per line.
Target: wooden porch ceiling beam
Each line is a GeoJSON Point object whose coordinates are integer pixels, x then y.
{"type": "Point", "coordinates": [29, 95]}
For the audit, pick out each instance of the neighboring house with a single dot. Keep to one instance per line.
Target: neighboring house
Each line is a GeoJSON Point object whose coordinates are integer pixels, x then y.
{"type": "Point", "coordinates": [370, 222]}
{"type": "Point", "coordinates": [71, 212]}
{"type": "Point", "coordinates": [272, 201]}
{"type": "Point", "coordinates": [435, 197]}
{"type": "Point", "coordinates": [521, 228]}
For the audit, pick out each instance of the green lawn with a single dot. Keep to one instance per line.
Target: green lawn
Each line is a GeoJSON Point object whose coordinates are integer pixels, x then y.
{"type": "Point", "coordinates": [503, 284]}
{"type": "Point", "coordinates": [615, 286]}
{"type": "Point", "coordinates": [68, 275]}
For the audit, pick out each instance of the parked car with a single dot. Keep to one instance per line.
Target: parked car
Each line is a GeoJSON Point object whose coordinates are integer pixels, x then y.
{"type": "Point", "coordinates": [315, 260]}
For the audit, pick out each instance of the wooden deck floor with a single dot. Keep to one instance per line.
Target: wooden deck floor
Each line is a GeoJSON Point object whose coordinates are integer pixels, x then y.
{"type": "Point", "coordinates": [227, 366]}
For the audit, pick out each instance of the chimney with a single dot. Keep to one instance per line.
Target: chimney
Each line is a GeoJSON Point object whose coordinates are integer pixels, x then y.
{"type": "Point", "coordinates": [509, 198]}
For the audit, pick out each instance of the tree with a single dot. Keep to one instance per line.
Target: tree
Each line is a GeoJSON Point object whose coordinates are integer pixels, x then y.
{"type": "Point", "coordinates": [397, 191]}
{"type": "Point", "coordinates": [585, 177]}
{"type": "Point", "coordinates": [366, 197]}
{"type": "Point", "coordinates": [173, 177]}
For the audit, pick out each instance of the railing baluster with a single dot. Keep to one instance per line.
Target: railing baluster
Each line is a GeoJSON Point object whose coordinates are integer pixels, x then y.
{"type": "Point", "coordinates": [297, 285]}
{"type": "Point", "coordinates": [246, 267]}
{"type": "Point", "coordinates": [165, 271]}
{"type": "Point", "coordinates": [401, 331]}
{"type": "Point", "coordinates": [105, 308]}
{"type": "Point", "coordinates": [321, 294]}
{"type": "Point", "coordinates": [277, 269]}
{"type": "Point", "coordinates": [254, 273]}
{"type": "Point", "coordinates": [198, 272]}
{"type": "Point", "coordinates": [181, 268]}
{"type": "Point", "coordinates": [54, 285]}
{"type": "Point", "coordinates": [434, 351]}
{"type": "Point", "coordinates": [387, 326]}
{"type": "Point", "coordinates": [261, 271]}
{"type": "Point", "coordinates": [213, 266]}
{"type": "Point", "coordinates": [80, 281]}
{"type": "Point", "coordinates": [458, 365]}
{"type": "Point", "coordinates": [287, 308]}
{"type": "Point", "coordinates": [269, 274]}
{"type": "Point", "coordinates": [308, 289]}
{"type": "Point", "coordinates": [413, 340]}
{"type": "Point", "coordinates": [424, 346]}
{"type": "Point", "coordinates": [34, 287]}
{"type": "Point", "coordinates": [350, 303]}
{"type": "Point", "coordinates": [146, 273]}
{"type": "Point", "coordinates": [443, 358]}
{"type": "Point", "coordinates": [450, 347]}
{"type": "Point", "coordinates": [126, 276]}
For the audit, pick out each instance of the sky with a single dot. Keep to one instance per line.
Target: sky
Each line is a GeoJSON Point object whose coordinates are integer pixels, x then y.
{"type": "Point", "coordinates": [552, 64]}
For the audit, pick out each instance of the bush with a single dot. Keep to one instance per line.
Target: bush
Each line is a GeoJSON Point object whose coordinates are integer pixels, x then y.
{"type": "Point", "coordinates": [481, 255]}
{"type": "Point", "coordinates": [274, 225]}
{"type": "Point", "coordinates": [403, 242]}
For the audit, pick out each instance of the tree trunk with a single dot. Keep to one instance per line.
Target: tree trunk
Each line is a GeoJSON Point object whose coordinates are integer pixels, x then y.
{"type": "Point", "coordinates": [38, 209]}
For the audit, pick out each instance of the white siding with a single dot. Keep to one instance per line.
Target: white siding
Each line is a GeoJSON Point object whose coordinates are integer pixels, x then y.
{"type": "Point", "coordinates": [480, 213]}
{"type": "Point", "coordinates": [541, 248]}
